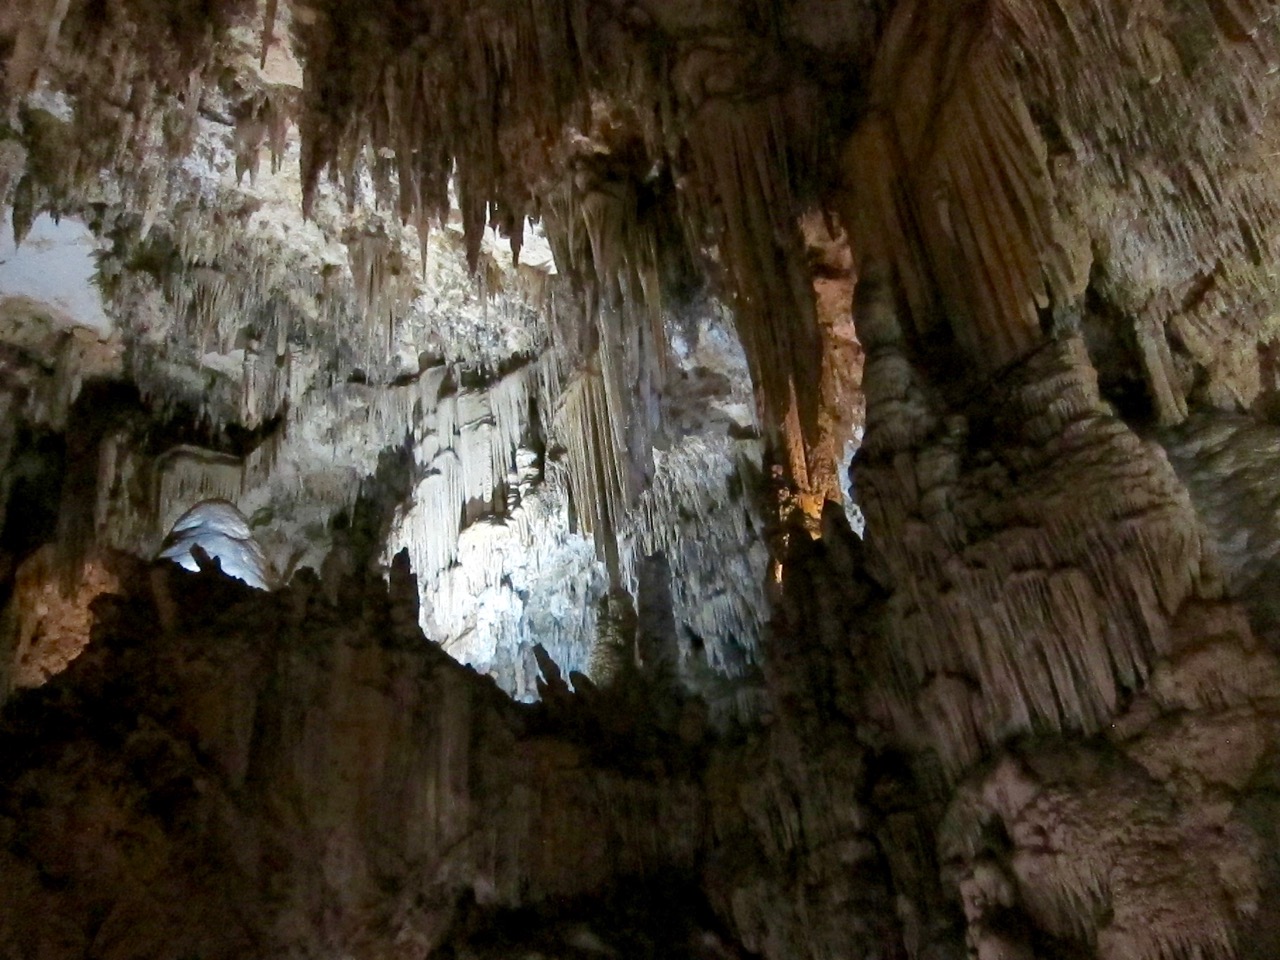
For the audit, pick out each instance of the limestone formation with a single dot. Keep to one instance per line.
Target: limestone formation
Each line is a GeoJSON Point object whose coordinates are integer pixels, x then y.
{"type": "Point", "coordinates": [732, 478]}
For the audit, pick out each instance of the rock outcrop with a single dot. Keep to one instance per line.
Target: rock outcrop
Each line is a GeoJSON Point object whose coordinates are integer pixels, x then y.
{"type": "Point", "coordinates": [231, 773]}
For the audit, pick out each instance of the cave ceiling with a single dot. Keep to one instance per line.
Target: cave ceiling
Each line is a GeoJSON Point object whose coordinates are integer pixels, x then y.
{"type": "Point", "coordinates": [328, 231]}
{"type": "Point", "coordinates": [524, 241]}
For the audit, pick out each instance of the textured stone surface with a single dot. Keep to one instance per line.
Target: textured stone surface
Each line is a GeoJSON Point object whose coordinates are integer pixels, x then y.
{"type": "Point", "coordinates": [45, 628]}
{"type": "Point", "coordinates": [559, 296]}
{"type": "Point", "coordinates": [280, 775]}
{"type": "Point", "coordinates": [1035, 547]}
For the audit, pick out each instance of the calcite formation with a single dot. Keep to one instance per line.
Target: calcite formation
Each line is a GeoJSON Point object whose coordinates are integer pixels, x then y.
{"type": "Point", "coordinates": [216, 529]}
{"type": "Point", "coordinates": [780, 478]}
{"type": "Point", "coordinates": [1005, 557]}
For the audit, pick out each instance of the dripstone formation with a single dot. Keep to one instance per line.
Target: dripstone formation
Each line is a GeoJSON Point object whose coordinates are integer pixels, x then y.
{"type": "Point", "coordinates": [706, 478]}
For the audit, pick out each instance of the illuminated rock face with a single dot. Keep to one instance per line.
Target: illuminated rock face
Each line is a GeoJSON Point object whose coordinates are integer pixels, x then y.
{"type": "Point", "coordinates": [49, 622]}
{"type": "Point", "coordinates": [54, 266]}
{"type": "Point", "coordinates": [221, 531]}
{"type": "Point", "coordinates": [552, 339]}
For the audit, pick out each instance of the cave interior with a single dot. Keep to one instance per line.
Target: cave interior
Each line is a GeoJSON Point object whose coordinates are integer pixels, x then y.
{"type": "Point", "coordinates": [712, 479]}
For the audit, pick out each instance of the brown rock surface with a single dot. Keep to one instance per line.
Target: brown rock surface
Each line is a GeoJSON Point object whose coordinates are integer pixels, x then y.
{"type": "Point", "coordinates": [274, 775]}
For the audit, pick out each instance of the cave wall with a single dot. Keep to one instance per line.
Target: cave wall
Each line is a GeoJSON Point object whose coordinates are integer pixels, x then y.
{"type": "Point", "coordinates": [1062, 664]}
{"type": "Point", "coordinates": [233, 773]}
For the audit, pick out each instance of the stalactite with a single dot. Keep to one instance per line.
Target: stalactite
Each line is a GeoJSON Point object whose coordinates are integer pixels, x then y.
{"type": "Point", "coordinates": [721, 539]}
{"type": "Point", "coordinates": [1031, 563]}
{"type": "Point", "coordinates": [597, 471]}
{"type": "Point", "coordinates": [521, 580]}
{"type": "Point", "coordinates": [187, 477]}
{"type": "Point", "coordinates": [1164, 170]}
{"type": "Point", "coordinates": [35, 33]}
{"type": "Point", "coordinates": [741, 153]}
{"type": "Point", "coordinates": [612, 256]}
{"type": "Point", "coordinates": [467, 445]}
{"type": "Point", "coordinates": [514, 94]}
{"type": "Point", "coordinates": [263, 119]}
{"type": "Point", "coordinates": [952, 188]}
